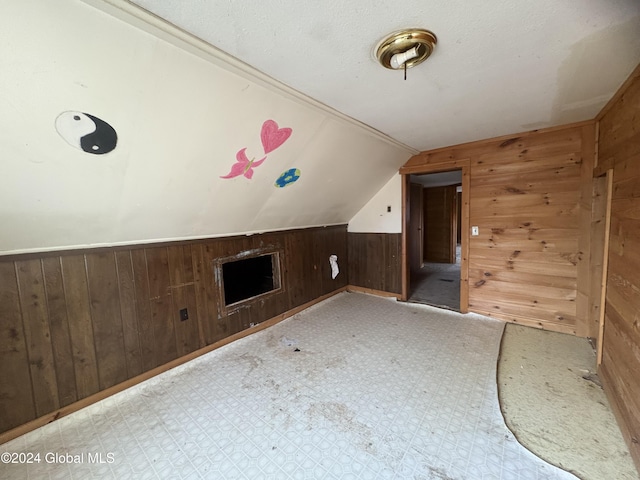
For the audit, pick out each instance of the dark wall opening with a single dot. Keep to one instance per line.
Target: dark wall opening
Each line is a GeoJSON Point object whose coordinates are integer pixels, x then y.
{"type": "Point", "coordinates": [247, 278]}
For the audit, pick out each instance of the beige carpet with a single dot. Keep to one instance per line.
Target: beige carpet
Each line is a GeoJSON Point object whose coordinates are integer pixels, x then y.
{"type": "Point", "coordinates": [552, 401]}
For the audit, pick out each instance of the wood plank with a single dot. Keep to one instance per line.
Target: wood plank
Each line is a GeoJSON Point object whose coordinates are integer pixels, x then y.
{"type": "Point", "coordinates": [205, 317]}
{"type": "Point", "coordinates": [220, 326]}
{"type": "Point", "coordinates": [130, 327]}
{"type": "Point", "coordinates": [194, 339]}
{"type": "Point", "coordinates": [526, 278]}
{"type": "Point", "coordinates": [33, 304]}
{"type": "Point", "coordinates": [494, 265]}
{"type": "Point", "coordinates": [59, 326]}
{"type": "Point", "coordinates": [530, 240]}
{"type": "Point", "coordinates": [615, 100]}
{"type": "Point", "coordinates": [80, 325]}
{"type": "Point", "coordinates": [294, 266]}
{"type": "Point", "coordinates": [39, 422]}
{"type": "Point", "coordinates": [508, 204]}
{"type": "Point", "coordinates": [108, 333]}
{"type": "Point", "coordinates": [16, 391]}
{"type": "Point", "coordinates": [186, 331]}
{"type": "Point", "coordinates": [536, 159]}
{"type": "Point", "coordinates": [143, 309]}
{"type": "Point", "coordinates": [536, 219]}
{"type": "Point", "coordinates": [514, 142]}
{"type": "Point", "coordinates": [497, 190]}
{"type": "Point", "coordinates": [438, 224]}
{"type": "Point", "coordinates": [606, 204]}
{"type": "Point", "coordinates": [161, 305]}
{"type": "Point", "coordinates": [517, 256]}
{"type": "Point", "coordinates": [524, 320]}
{"type": "Point", "coordinates": [623, 352]}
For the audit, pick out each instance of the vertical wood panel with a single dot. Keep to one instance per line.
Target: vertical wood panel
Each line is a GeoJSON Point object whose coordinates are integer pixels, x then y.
{"type": "Point", "coordinates": [95, 319]}
{"type": "Point", "coordinates": [438, 224]}
{"type": "Point", "coordinates": [143, 309]}
{"type": "Point", "coordinates": [38, 335]}
{"type": "Point", "coordinates": [585, 327]}
{"type": "Point", "coordinates": [190, 298]}
{"type": "Point", "coordinates": [205, 316]}
{"type": "Point", "coordinates": [219, 326]}
{"type": "Point", "coordinates": [186, 331]}
{"type": "Point", "coordinates": [60, 337]}
{"type": "Point", "coordinates": [130, 327]}
{"type": "Point", "coordinates": [619, 148]}
{"type": "Point", "coordinates": [294, 251]}
{"type": "Point", "coordinates": [16, 393]}
{"type": "Point", "coordinates": [104, 299]}
{"type": "Point", "coordinates": [161, 305]}
{"type": "Point", "coordinates": [375, 261]}
{"type": "Point", "coordinates": [80, 325]}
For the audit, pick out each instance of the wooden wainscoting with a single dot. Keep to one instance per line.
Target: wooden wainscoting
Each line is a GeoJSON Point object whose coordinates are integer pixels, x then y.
{"type": "Point", "coordinates": [82, 322]}
{"type": "Point", "coordinates": [375, 261]}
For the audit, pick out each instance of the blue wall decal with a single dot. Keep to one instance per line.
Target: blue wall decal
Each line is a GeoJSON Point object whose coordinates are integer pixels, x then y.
{"type": "Point", "coordinates": [288, 177]}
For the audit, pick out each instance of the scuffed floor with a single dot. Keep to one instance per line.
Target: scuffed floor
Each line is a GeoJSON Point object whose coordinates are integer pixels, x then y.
{"type": "Point", "coordinates": [554, 410]}
{"type": "Point", "coordinates": [357, 387]}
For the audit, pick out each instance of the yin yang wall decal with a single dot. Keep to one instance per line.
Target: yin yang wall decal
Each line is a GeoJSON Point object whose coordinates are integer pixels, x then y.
{"type": "Point", "coordinates": [86, 132]}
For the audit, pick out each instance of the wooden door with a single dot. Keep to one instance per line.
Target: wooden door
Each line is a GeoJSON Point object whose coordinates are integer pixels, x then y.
{"type": "Point", "coordinates": [439, 224]}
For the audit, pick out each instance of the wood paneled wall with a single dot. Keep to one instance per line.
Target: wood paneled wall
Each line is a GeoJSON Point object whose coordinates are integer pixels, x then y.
{"type": "Point", "coordinates": [76, 323]}
{"type": "Point", "coordinates": [439, 224]}
{"type": "Point", "coordinates": [527, 197]}
{"type": "Point", "coordinates": [375, 261]}
{"type": "Point", "coordinates": [619, 149]}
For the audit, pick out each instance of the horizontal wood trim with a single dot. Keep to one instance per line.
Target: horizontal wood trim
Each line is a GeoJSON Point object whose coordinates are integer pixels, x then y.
{"type": "Point", "coordinates": [85, 402]}
{"type": "Point", "coordinates": [371, 291]}
{"type": "Point", "coordinates": [522, 320]}
{"type": "Point", "coordinates": [443, 166]}
{"type": "Point", "coordinates": [63, 252]}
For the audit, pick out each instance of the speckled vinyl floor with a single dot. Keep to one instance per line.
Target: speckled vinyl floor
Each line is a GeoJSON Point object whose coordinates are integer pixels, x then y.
{"type": "Point", "coordinates": [357, 387]}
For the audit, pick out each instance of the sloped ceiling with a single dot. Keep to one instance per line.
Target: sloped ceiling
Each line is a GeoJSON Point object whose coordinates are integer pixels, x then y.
{"type": "Point", "coordinates": [184, 108]}
{"type": "Point", "coordinates": [500, 66]}
{"type": "Point", "coordinates": [184, 114]}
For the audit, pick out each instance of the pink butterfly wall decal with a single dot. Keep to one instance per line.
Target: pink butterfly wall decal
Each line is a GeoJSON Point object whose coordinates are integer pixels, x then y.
{"type": "Point", "coordinates": [272, 137]}
{"type": "Point", "coordinates": [243, 165]}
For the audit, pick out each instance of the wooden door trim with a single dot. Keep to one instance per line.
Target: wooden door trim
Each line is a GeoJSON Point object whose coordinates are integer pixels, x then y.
{"type": "Point", "coordinates": [605, 267]}
{"type": "Point", "coordinates": [465, 166]}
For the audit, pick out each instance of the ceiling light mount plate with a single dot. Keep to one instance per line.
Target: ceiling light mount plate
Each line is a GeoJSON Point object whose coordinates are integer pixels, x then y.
{"type": "Point", "coordinates": [402, 41]}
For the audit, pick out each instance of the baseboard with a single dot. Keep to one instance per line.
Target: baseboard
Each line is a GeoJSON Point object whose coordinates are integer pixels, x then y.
{"type": "Point", "coordinates": [371, 291]}
{"type": "Point", "coordinates": [85, 402]}
{"type": "Point", "coordinates": [627, 434]}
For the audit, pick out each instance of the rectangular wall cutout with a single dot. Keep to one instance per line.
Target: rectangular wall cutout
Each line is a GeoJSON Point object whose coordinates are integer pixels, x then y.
{"type": "Point", "coordinates": [245, 277]}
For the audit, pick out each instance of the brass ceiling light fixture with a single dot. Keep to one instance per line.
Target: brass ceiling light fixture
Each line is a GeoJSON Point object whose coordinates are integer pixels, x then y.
{"type": "Point", "coordinates": [405, 49]}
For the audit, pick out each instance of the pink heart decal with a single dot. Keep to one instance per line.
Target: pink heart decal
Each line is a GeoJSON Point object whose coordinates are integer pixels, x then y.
{"type": "Point", "coordinates": [272, 136]}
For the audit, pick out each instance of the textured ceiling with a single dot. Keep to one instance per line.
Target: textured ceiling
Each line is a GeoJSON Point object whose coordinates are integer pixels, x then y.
{"type": "Point", "coordinates": [500, 66]}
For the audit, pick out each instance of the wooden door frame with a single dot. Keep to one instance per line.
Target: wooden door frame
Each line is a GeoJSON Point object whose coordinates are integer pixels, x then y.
{"type": "Point", "coordinates": [464, 166]}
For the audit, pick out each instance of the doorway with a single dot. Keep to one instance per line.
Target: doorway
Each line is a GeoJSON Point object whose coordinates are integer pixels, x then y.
{"type": "Point", "coordinates": [437, 210]}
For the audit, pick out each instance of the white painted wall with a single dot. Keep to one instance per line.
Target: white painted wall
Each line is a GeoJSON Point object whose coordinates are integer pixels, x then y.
{"type": "Point", "coordinates": [374, 217]}
{"type": "Point", "coordinates": [182, 111]}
